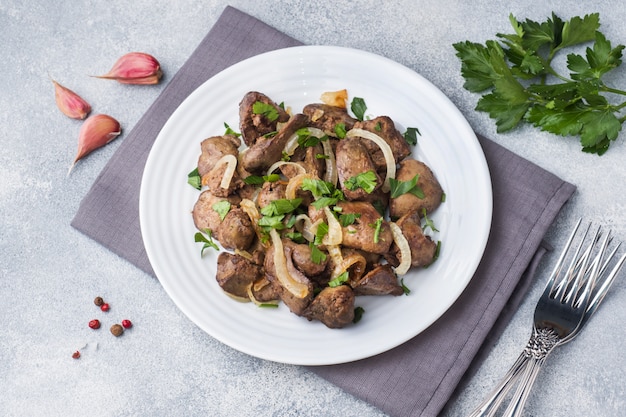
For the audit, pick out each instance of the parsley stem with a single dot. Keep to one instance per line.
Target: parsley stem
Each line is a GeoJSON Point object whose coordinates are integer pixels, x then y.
{"type": "Point", "coordinates": [614, 91]}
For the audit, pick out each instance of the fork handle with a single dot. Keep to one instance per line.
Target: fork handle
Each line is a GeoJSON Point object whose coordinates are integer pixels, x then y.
{"type": "Point", "coordinates": [495, 398]}
{"type": "Point", "coordinates": [523, 372]}
{"type": "Point", "coordinates": [527, 380]}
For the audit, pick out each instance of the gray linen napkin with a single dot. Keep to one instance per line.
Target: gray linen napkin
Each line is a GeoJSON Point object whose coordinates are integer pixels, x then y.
{"type": "Point", "coordinates": [418, 377]}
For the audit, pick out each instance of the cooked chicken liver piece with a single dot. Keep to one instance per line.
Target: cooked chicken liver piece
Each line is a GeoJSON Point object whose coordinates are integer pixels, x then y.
{"type": "Point", "coordinates": [204, 217]}
{"type": "Point", "coordinates": [301, 256]}
{"type": "Point", "coordinates": [254, 126]}
{"type": "Point", "coordinates": [408, 202]}
{"type": "Point", "coordinates": [379, 281]}
{"type": "Point", "coordinates": [235, 273]}
{"type": "Point", "coordinates": [236, 230]}
{"type": "Point", "coordinates": [361, 233]}
{"type": "Point", "coordinates": [333, 306]}
{"type": "Point", "coordinates": [214, 148]}
{"type": "Point", "coordinates": [296, 305]}
{"type": "Point", "coordinates": [422, 246]}
{"type": "Point", "coordinates": [325, 117]}
{"type": "Point", "coordinates": [267, 150]}
{"type": "Point", "coordinates": [384, 127]}
{"type": "Point", "coordinates": [353, 158]}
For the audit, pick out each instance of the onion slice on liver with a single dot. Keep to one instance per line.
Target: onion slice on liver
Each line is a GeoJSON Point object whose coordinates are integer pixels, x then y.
{"type": "Point", "coordinates": [297, 289]}
{"type": "Point", "coordinates": [405, 249]}
{"type": "Point", "coordinates": [384, 146]}
{"type": "Point", "coordinates": [231, 165]}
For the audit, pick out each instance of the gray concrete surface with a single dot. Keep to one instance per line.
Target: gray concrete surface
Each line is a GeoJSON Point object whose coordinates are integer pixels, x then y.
{"type": "Point", "coordinates": [166, 366]}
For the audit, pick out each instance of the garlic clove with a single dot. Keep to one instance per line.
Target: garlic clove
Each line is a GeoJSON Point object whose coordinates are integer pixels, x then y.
{"type": "Point", "coordinates": [135, 68]}
{"type": "Point", "coordinates": [71, 104]}
{"type": "Point", "coordinates": [96, 131]}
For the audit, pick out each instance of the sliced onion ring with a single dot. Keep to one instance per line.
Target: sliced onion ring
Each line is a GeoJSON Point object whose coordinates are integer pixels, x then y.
{"type": "Point", "coordinates": [384, 146]}
{"type": "Point", "coordinates": [250, 292]}
{"type": "Point", "coordinates": [304, 225]}
{"type": "Point", "coordinates": [335, 233]}
{"type": "Point", "coordinates": [337, 260]}
{"type": "Point", "coordinates": [297, 289]}
{"type": "Point", "coordinates": [405, 249]}
{"type": "Point", "coordinates": [294, 184]}
{"type": "Point", "coordinates": [252, 211]}
{"type": "Point", "coordinates": [231, 165]}
{"type": "Point", "coordinates": [278, 164]}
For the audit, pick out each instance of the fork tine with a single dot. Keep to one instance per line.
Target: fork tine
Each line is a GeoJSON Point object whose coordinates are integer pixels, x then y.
{"type": "Point", "coordinates": [585, 296]}
{"type": "Point", "coordinates": [604, 288]}
{"type": "Point", "coordinates": [560, 288]}
{"type": "Point", "coordinates": [559, 263]}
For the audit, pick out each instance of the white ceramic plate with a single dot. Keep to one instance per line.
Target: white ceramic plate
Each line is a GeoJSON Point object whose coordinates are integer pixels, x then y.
{"type": "Point", "coordinates": [297, 76]}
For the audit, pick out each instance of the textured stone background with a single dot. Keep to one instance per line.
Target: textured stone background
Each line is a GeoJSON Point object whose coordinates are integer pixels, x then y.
{"type": "Point", "coordinates": [166, 366]}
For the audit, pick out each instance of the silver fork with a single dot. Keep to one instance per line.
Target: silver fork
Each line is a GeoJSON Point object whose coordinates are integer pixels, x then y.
{"type": "Point", "coordinates": [571, 296]}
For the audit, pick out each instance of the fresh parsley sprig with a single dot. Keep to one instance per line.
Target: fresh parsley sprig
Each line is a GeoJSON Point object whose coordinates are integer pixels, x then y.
{"type": "Point", "coordinates": [520, 83]}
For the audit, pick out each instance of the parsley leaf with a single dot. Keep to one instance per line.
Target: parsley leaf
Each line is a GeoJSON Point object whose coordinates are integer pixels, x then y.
{"type": "Point", "coordinates": [339, 280]}
{"type": "Point", "coordinates": [230, 131]}
{"type": "Point", "coordinates": [347, 219]}
{"type": "Point", "coordinates": [324, 192]}
{"type": "Point", "coordinates": [194, 179]}
{"type": "Point", "coordinates": [377, 225]}
{"type": "Point", "coordinates": [266, 110]}
{"type": "Point", "coordinates": [358, 314]}
{"type": "Point", "coordinates": [281, 206]}
{"type": "Point", "coordinates": [519, 83]}
{"type": "Point", "coordinates": [398, 187]}
{"type": "Point", "coordinates": [322, 230]}
{"type": "Point", "coordinates": [207, 240]}
{"type": "Point", "coordinates": [222, 208]}
{"type": "Point", "coordinates": [358, 107]}
{"type": "Point", "coordinates": [317, 256]}
{"type": "Point", "coordinates": [340, 130]}
{"type": "Point", "coordinates": [428, 223]}
{"type": "Point", "coordinates": [365, 180]}
{"type": "Point", "coordinates": [410, 136]}
{"type": "Point", "coordinates": [260, 180]}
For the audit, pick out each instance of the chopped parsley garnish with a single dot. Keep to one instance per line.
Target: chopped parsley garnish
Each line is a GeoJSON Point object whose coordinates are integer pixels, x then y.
{"type": "Point", "coordinates": [365, 180]}
{"type": "Point", "coordinates": [260, 180]}
{"type": "Point", "coordinates": [317, 256]}
{"type": "Point", "coordinates": [321, 156]}
{"type": "Point", "coordinates": [230, 131]}
{"type": "Point", "coordinates": [207, 240]}
{"type": "Point", "coordinates": [428, 223]}
{"type": "Point", "coordinates": [266, 110]}
{"type": "Point", "coordinates": [402, 187]}
{"type": "Point", "coordinates": [341, 279]}
{"type": "Point", "coordinates": [322, 230]}
{"type": "Point", "coordinates": [222, 208]}
{"type": "Point", "coordinates": [347, 219]}
{"type": "Point", "coordinates": [305, 139]}
{"type": "Point", "coordinates": [406, 289]}
{"type": "Point", "coordinates": [380, 207]}
{"type": "Point", "coordinates": [324, 192]}
{"type": "Point", "coordinates": [377, 225]}
{"type": "Point", "coordinates": [295, 236]}
{"type": "Point", "coordinates": [340, 130]}
{"type": "Point", "coordinates": [281, 206]}
{"type": "Point", "coordinates": [358, 314]}
{"type": "Point", "coordinates": [358, 107]}
{"type": "Point", "coordinates": [272, 222]}
{"type": "Point", "coordinates": [378, 127]}
{"type": "Point", "coordinates": [411, 135]}
{"type": "Point", "coordinates": [194, 179]}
